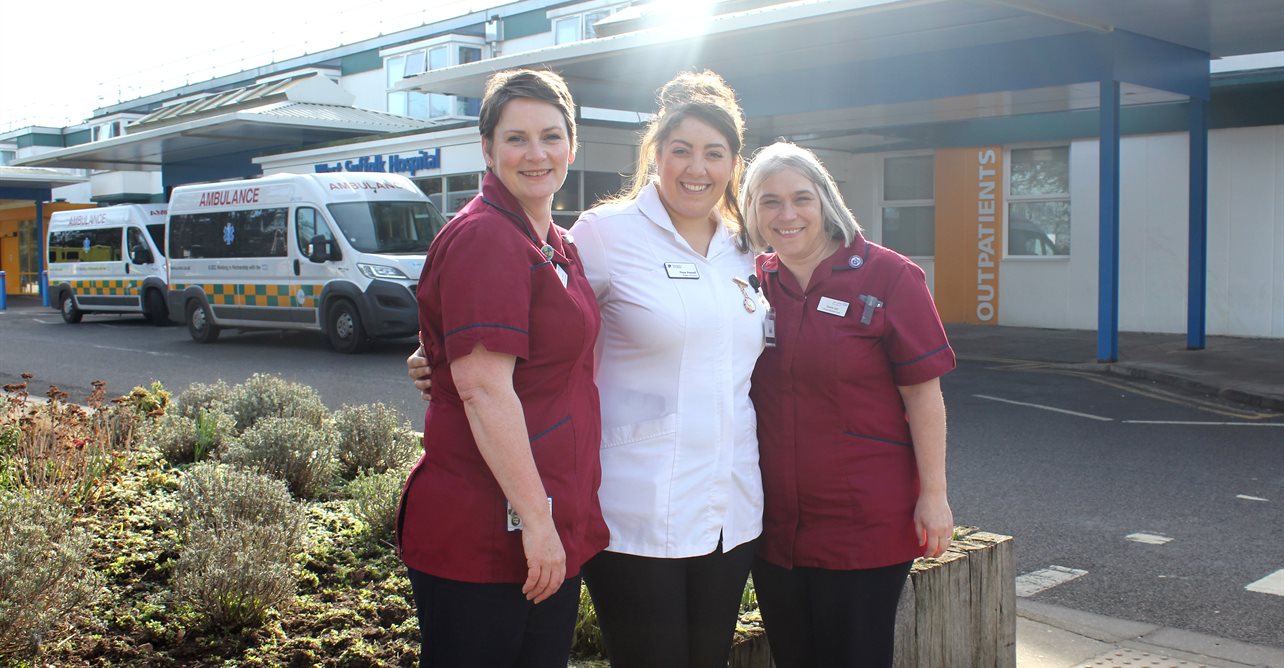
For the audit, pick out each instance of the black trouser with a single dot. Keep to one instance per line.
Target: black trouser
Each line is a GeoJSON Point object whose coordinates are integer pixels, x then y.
{"type": "Point", "coordinates": [467, 625]}
{"type": "Point", "coordinates": [669, 613]}
{"type": "Point", "coordinates": [826, 618]}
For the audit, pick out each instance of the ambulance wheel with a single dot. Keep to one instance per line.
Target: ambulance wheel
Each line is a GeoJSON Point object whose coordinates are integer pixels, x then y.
{"type": "Point", "coordinates": [200, 324]}
{"type": "Point", "coordinates": [67, 305]}
{"type": "Point", "coordinates": [344, 329]}
{"type": "Point", "coordinates": [155, 308]}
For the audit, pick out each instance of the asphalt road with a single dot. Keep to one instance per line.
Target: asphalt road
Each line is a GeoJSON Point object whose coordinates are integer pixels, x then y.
{"type": "Point", "coordinates": [1063, 461]}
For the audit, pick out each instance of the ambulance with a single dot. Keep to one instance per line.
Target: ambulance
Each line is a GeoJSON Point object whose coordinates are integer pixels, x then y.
{"type": "Point", "coordinates": [336, 253]}
{"type": "Point", "coordinates": [108, 260]}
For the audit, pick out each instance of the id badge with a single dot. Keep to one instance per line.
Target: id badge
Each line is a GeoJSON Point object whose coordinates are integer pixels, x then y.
{"type": "Point", "coordinates": [514, 522]}
{"type": "Point", "coordinates": [769, 328]}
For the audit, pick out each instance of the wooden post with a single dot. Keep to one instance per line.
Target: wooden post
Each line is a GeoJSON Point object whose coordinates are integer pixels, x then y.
{"type": "Point", "coordinates": [956, 611]}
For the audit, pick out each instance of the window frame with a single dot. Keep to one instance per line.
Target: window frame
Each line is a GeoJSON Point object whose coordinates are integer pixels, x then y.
{"type": "Point", "coordinates": [432, 105]}
{"type": "Point", "coordinates": [1009, 199]}
{"type": "Point", "coordinates": [884, 204]}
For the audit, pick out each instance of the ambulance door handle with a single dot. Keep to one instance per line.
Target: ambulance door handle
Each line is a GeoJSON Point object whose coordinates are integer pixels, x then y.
{"type": "Point", "coordinates": [126, 267]}
{"type": "Point", "coordinates": [296, 266]}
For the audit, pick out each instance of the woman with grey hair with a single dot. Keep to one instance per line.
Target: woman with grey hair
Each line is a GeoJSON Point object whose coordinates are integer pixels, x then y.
{"type": "Point", "coordinates": [851, 421]}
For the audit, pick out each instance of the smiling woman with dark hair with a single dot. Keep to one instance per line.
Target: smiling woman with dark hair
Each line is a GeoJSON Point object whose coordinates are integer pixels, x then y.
{"type": "Point", "coordinates": [501, 511]}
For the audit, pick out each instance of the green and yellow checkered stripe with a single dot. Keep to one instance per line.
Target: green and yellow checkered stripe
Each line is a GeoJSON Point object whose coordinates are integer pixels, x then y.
{"type": "Point", "coordinates": [279, 295]}
{"type": "Point", "coordinates": [109, 288]}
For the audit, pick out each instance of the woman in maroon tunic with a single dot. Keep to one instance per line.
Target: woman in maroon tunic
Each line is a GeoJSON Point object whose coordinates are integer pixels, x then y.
{"type": "Point", "coordinates": [851, 422]}
{"type": "Point", "coordinates": [501, 510]}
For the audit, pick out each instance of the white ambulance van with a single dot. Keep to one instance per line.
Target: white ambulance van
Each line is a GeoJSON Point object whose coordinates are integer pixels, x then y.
{"type": "Point", "coordinates": [108, 260]}
{"type": "Point", "coordinates": [335, 253]}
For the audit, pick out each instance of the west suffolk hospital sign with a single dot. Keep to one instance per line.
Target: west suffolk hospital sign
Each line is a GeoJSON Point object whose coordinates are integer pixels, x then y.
{"type": "Point", "coordinates": [393, 163]}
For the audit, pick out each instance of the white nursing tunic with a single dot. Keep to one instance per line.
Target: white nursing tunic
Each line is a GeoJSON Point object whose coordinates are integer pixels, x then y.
{"type": "Point", "coordinates": [675, 354]}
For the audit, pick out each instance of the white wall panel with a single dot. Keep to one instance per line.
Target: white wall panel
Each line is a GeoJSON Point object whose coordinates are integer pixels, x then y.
{"type": "Point", "coordinates": [1245, 221]}
{"type": "Point", "coordinates": [368, 90]}
{"type": "Point", "coordinates": [1154, 194]}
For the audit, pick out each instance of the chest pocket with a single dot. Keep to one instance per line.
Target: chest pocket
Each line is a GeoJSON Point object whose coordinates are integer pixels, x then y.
{"type": "Point", "coordinates": [856, 341]}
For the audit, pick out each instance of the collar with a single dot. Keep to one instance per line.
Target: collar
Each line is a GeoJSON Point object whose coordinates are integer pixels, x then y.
{"type": "Point", "coordinates": [651, 206]}
{"type": "Point", "coordinates": [496, 195]}
{"type": "Point", "coordinates": [846, 258]}
{"type": "Point", "coordinates": [850, 257]}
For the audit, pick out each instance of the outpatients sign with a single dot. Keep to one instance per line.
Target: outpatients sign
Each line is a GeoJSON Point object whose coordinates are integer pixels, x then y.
{"type": "Point", "coordinates": [969, 233]}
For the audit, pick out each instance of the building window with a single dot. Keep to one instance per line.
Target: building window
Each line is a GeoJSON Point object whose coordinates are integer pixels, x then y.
{"type": "Point", "coordinates": [909, 207]}
{"type": "Point", "coordinates": [430, 105]}
{"type": "Point", "coordinates": [450, 193]}
{"type": "Point", "coordinates": [1039, 201]}
{"type": "Point", "coordinates": [579, 26]}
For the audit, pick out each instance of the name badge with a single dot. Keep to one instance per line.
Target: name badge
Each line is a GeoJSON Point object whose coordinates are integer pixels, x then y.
{"type": "Point", "coordinates": [513, 522]}
{"type": "Point", "coordinates": [561, 273]}
{"type": "Point", "coordinates": [681, 270]}
{"type": "Point", "coordinates": [832, 306]}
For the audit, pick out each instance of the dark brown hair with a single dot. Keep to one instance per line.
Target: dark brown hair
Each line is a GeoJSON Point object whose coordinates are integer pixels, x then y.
{"type": "Point", "coordinates": [543, 85]}
{"type": "Point", "coordinates": [705, 96]}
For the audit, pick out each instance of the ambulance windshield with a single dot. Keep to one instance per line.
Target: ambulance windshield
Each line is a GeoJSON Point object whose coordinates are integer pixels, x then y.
{"type": "Point", "coordinates": [388, 227]}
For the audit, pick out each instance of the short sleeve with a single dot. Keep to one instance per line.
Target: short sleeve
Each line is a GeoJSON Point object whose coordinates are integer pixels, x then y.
{"type": "Point", "coordinates": [588, 240]}
{"type": "Point", "coordinates": [914, 336]}
{"type": "Point", "coordinates": [485, 293]}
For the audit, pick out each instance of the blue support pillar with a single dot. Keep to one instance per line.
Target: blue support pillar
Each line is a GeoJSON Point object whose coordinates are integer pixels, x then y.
{"type": "Point", "coordinates": [1197, 269]}
{"type": "Point", "coordinates": [40, 252]}
{"type": "Point", "coordinates": [1108, 222]}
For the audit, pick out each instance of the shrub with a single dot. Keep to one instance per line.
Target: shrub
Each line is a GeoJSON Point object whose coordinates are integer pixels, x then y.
{"type": "Point", "coordinates": [241, 531]}
{"type": "Point", "coordinates": [200, 396]}
{"type": "Point", "coordinates": [588, 636]}
{"type": "Point", "coordinates": [62, 449]}
{"type": "Point", "coordinates": [375, 498]}
{"type": "Point", "coordinates": [174, 436]}
{"type": "Point", "coordinates": [234, 575]}
{"type": "Point", "coordinates": [372, 439]}
{"type": "Point", "coordinates": [213, 496]}
{"type": "Point", "coordinates": [291, 449]}
{"type": "Point", "coordinates": [266, 396]}
{"type": "Point", "coordinates": [182, 440]}
{"type": "Point", "coordinates": [44, 577]}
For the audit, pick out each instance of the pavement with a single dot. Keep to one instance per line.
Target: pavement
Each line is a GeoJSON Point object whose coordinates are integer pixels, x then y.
{"type": "Point", "coordinates": [1238, 369]}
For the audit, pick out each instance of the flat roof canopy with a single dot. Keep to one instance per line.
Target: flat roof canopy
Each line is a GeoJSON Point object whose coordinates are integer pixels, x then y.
{"type": "Point", "coordinates": [872, 63]}
{"type": "Point", "coordinates": [276, 126]}
{"type": "Point", "coordinates": [37, 177]}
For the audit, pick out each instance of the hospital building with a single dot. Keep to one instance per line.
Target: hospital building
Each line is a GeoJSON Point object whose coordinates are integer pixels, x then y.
{"type": "Point", "coordinates": [1098, 165]}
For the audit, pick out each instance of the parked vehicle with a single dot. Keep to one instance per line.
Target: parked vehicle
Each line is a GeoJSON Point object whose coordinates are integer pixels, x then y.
{"type": "Point", "coordinates": [108, 260]}
{"type": "Point", "coordinates": [336, 253]}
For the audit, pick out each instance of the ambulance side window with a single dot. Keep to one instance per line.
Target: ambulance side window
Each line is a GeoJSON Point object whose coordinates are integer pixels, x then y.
{"type": "Point", "coordinates": [308, 223]}
{"type": "Point", "coordinates": [136, 247]}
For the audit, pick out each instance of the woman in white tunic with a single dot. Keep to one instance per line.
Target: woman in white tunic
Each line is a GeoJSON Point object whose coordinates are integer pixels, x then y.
{"type": "Point", "coordinates": [681, 330]}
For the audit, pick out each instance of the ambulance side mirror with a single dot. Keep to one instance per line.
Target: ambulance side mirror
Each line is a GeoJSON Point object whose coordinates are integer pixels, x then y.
{"type": "Point", "coordinates": [140, 254]}
{"type": "Point", "coordinates": [322, 248]}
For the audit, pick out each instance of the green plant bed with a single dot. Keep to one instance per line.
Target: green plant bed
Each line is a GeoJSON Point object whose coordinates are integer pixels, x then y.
{"type": "Point", "coordinates": [136, 510]}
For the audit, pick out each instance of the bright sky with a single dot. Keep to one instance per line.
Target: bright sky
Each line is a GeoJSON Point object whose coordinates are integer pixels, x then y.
{"type": "Point", "coordinates": [61, 60]}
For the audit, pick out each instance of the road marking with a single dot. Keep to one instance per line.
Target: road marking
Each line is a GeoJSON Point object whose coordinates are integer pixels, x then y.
{"type": "Point", "coordinates": [1133, 387]}
{"type": "Point", "coordinates": [1250, 498]}
{"type": "Point", "coordinates": [1045, 578]}
{"type": "Point", "coordinates": [1192, 423]}
{"type": "Point", "coordinates": [1271, 584]}
{"type": "Point", "coordinates": [1046, 408]}
{"type": "Point", "coordinates": [132, 350]}
{"type": "Point", "coordinates": [1148, 538]}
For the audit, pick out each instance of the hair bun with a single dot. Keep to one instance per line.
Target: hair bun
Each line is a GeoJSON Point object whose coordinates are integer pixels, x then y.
{"type": "Point", "coordinates": [695, 88]}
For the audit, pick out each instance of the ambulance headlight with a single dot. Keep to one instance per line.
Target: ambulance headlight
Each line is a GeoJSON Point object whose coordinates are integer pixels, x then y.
{"type": "Point", "coordinates": [380, 271]}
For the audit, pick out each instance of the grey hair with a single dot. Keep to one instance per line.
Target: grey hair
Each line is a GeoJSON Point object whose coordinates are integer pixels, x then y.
{"type": "Point", "coordinates": [840, 224]}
